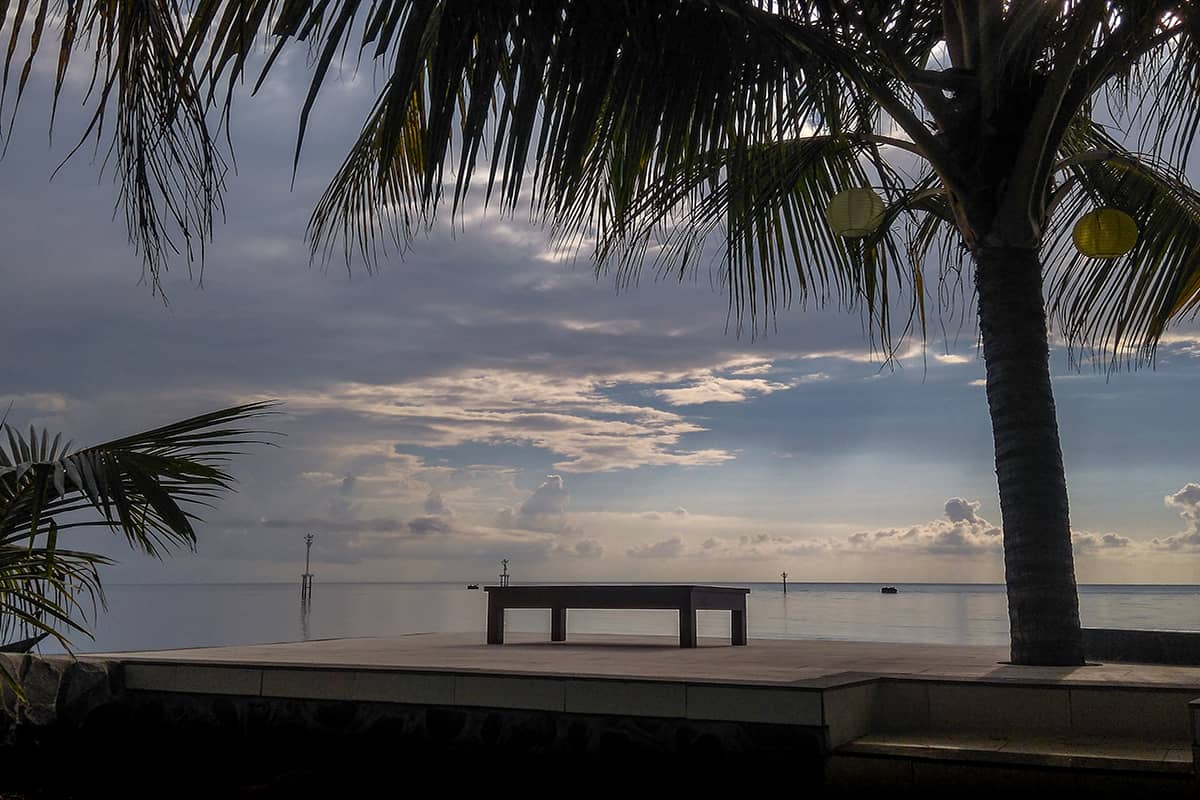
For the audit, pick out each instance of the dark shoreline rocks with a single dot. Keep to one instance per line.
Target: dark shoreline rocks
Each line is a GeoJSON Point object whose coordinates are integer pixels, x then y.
{"type": "Point", "coordinates": [60, 694]}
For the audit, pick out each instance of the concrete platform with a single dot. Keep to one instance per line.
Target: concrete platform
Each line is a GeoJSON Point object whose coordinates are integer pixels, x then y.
{"type": "Point", "coordinates": [875, 707]}
{"type": "Point", "coordinates": [768, 661]}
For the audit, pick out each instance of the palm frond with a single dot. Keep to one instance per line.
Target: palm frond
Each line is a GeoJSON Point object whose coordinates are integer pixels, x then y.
{"type": "Point", "coordinates": [766, 205]}
{"type": "Point", "coordinates": [144, 486]}
{"type": "Point", "coordinates": [1145, 75]}
{"type": "Point", "coordinates": [568, 100]}
{"type": "Point", "coordinates": [1123, 306]}
{"type": "Point", "coordinates": [587, 112]}
{"type": "Point", "coordinates": [548, 92]}
{"type": "Point", "coordinates": [47, 591]}
{"type": "Point", "coordinates": [167, 167]}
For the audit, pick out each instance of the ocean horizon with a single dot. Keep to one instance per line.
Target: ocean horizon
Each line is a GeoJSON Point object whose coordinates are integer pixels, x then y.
{"type": "Point", "coordinates": [146, 616]}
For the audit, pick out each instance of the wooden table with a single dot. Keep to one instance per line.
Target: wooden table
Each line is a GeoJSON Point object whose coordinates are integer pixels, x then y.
{"type": "Point", "coordinates": [686, 599]}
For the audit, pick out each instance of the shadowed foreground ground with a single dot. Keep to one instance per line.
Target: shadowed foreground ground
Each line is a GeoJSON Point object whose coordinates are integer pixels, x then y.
{"type": "Point", "coordinates": [445, 715]}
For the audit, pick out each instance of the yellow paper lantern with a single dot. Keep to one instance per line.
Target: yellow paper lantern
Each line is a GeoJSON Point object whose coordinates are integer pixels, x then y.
{"type": "Point", "coordinates": [1105, 233]}
{"type": "Point", "coordinates": [854, 213]}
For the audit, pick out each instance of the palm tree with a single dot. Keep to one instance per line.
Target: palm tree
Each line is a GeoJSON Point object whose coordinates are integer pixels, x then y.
{"type": "Point", "coordinates": [144, 487]}
{"type": "Point", "coordinates": [665, 133]}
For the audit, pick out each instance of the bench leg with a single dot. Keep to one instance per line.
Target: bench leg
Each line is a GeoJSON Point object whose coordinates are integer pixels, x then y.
{"type": "Point", "coordinates": [737, 627]}
{"type": "Point", "coordinates": [687, 627]}
{"type": "Point", "coordinates": [558, 624]}
{"type": "Point", "coordinates": [495, 622]}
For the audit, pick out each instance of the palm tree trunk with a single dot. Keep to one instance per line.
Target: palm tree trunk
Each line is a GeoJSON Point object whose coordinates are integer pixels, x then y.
{"type": "Point", "coordinates": [1039, 567]}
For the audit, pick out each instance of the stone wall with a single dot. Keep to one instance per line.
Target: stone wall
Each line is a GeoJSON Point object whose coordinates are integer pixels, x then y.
{"type": "Point", "coordinates": [1144, 647]}
{"type": "Point", "coordinates": [60, 694]}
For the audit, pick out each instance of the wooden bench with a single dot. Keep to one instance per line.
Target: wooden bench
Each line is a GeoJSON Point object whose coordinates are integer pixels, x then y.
{"type": "Point", "coordinates": [686, 599]}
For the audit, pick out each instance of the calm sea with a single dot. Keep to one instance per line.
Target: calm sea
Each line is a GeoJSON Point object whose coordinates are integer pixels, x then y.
{"type": "Point", "coordinates": [189, 615]}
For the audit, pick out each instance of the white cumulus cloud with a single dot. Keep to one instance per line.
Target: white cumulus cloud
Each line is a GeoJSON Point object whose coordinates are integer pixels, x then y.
{"type": "Point", "coordinates": [1187, 502]}
{"type": "Point", "coordinates": [668, 548]}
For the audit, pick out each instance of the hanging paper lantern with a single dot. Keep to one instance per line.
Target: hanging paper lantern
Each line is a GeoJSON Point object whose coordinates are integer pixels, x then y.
{"type": "Point", "coordinates": [1105, 233]}
{"type": "Point", "coordinates": [854, 213]}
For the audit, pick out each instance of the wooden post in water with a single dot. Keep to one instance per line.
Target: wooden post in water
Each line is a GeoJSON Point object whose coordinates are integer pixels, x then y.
{"type": "Point", "coordinates": [306, 579]}
{"type": "Point", "coordinates": [784, 576]}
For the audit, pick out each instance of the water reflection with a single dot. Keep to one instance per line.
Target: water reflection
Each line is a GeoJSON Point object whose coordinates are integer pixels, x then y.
{"type": "Point", "coordinates": [158, 616]}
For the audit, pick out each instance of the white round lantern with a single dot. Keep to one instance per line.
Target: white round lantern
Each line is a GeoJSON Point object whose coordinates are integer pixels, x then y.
{"type": "Point", "coordinates": [854, 213]}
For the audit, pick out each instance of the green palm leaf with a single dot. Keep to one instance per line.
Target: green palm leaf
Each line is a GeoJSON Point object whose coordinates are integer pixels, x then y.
{"type": "Point", "coordinates": [767, 207]}
{"type": "Point", "coordinates": [584, 110]}
{"type": "Point", "coordinates": [146, 113]}
{"type": "Point", "coordinates": [567, 101]}
{"type": "Point", "coordinates": [1123, 306]}
{"type": "Point", "coordinates": [145, 487]}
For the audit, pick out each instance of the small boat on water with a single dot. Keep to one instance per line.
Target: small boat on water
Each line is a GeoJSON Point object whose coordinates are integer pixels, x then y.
{"type": "Point", "coordinates": [472, 585]}
{"type": "Point", "coordinates": [889, 590]}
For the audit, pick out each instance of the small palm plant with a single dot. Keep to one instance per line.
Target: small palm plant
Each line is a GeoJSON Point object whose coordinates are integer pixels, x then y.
{"type": "Point", "coordinates": [144, 487]}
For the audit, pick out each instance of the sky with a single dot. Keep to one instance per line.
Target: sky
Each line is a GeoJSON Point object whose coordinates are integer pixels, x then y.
{"type": "Point", "coordinates": [485, 398]}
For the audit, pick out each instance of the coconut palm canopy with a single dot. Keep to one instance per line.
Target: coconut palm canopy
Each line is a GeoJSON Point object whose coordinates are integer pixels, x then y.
{"type": "Point", "coordinates": [146, 487]}
{"type": "Point", "coordinates": [654, 134]}
{"type": "Point", "coordinates": [645, 127]}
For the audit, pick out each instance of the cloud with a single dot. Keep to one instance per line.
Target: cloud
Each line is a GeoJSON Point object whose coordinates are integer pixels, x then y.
{"type": "Point", "coordinates": [1187, 502]}
{"type": "Point", "coordinates": [322, 525]}
{"type": "Point", "coordinates": [435, 505]}
{"type": "Point", "coordinates": [38, 402]}
{"type": "Point", "coordinates": [549, 498]}
{"type": "Point", "coordinates": [713, 389]}
{"type": "Point", "coordinates": [756, 546]}
{"type": "Point", "coordinates": [677, 511]}
{"type": "Point", "coordinates": [544, 510]}
{"type": "Point", "coordinates": [428, 524]}
{"type": "Point", "coordinates": [1182, 343]}
{"type": "Point", "coordinates": [861, 355]}
{"type": "Point", "coordinates": [1090, 542]}
{"type": "Point", "coordinates": [754, 369]}
{"type": "Point", "coordinates": [419, 538]}
{"type": "Point", "coordinates": [960, 510]}
{"type": "Point", "coordinates": [668, 548]}
{"type": "Point", "coordinates": [740, 384]}
{"type": "Point", "coordinates": [572, 416]}
{"type": "Point", "coordinates": [584, 548]}
{"type": "Point", "coordinates": [446, 505]}
{"type": "Point", "coordinates": [961, 532]}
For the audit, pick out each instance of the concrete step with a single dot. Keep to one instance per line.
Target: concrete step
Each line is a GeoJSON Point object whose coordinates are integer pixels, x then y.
{"type": "Point", "coordinates": [1141, 755]}
{"type": "Point", "coordinates": [1033, 710]}
{"type": "Point", "coordinates": [1101, 766]}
